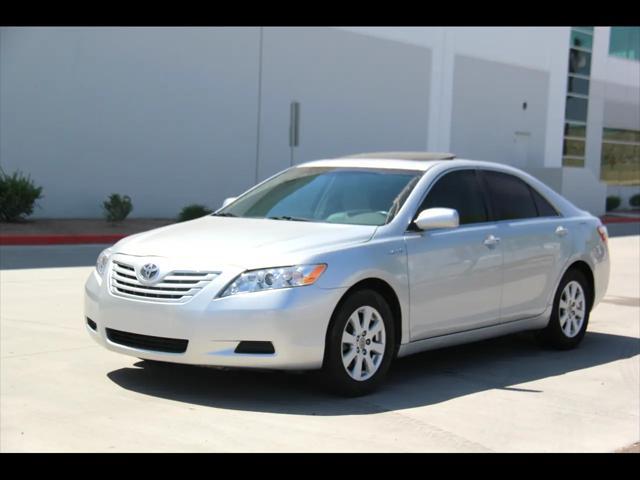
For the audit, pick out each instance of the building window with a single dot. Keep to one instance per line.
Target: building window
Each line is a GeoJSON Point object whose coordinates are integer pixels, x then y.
{"type": "Point", "coordinates": [624, 42]}
{"type": "Point", "coordinates": [579, 62]}
{"type": "Point", "coordinates": [620, 161]}
{"type": "Point", "coordinates": [578, 85]}
{"type": "Point", "coordinates": [581, 39]}
{"type": "Point", "coordinates": [576, 110]}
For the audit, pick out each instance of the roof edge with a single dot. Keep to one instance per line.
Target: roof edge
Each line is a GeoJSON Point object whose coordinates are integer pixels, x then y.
{"type": "Point", "coordinates": [404, 155]}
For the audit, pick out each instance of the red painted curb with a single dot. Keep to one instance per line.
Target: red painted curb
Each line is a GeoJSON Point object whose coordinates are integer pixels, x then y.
{"type": "Point", "coordinates": [608, 219]}
{"type": "Point", "coordinates": [58, 239]}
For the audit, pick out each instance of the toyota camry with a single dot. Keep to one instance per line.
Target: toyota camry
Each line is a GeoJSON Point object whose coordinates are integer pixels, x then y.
{"type": "Point", "coordinates": [344, 264]}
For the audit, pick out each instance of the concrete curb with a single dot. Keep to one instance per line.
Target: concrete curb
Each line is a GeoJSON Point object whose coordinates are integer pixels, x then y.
{"type": "Point", "coordinates": [58, 239]}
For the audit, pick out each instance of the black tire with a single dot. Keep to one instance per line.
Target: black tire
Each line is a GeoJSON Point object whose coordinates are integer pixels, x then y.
{"type": "Point", "coordinates": [336, 376]}
{"type": "Point", "coordinates": [553, 335]}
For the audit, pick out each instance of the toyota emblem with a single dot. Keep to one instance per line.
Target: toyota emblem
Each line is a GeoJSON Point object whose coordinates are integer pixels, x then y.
{"type": "Point", "coordinates": [149, 271]}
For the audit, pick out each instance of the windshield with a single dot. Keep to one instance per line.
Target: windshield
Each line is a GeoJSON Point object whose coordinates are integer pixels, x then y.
{"type": "Point", "coordinates": [361, 196]}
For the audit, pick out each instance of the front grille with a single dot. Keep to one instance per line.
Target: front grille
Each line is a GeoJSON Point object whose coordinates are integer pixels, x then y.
{"type": "Point", "coordinates": [147, 342]}
{"type": "Point", "coordinates": [176, 286]}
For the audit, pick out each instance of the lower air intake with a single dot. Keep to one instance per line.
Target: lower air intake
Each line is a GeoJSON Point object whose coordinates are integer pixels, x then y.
{"type": "Point", "coordinates": [147, 342]}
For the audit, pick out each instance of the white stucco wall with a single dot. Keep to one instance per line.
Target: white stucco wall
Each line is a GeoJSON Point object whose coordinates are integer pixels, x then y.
{"type": "Point", "coordinates": [540, 48]}
{"type": "Point", "coordinates": [180, 115]}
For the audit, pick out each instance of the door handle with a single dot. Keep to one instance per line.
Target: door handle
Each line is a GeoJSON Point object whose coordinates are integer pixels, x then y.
{"type": "Point", "coordinates": [561, 231]}
{"type": "Point", "coordinates": [491, 241]}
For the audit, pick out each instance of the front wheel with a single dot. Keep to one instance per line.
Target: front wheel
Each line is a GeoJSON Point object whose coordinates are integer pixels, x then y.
{"type": "Point", "coordinates": [570, 314]}
{"type": "Point", "coordinates": [360, 344]}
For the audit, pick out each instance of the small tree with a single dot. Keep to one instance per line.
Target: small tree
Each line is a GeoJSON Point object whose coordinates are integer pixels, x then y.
{"type": "Point", "coordinates": [634, 201]}
{"type": "Point", "coordinates": [116, 207]}
{"type": "Point", "coordinates": [18, 196]}
{"type": "Point", "coordinates": [613, 202]}
{"type": "Point", "coordinates": [193, 211]}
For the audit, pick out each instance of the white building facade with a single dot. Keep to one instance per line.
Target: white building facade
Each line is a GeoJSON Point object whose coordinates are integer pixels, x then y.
{"type": "Point", "coordinates": [172, 116]}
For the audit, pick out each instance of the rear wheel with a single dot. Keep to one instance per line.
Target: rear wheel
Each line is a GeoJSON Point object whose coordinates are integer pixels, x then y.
{"type": "Point", "coordinates": [570, 314]}
{"type": "Point", "coordinates": [360, 344]}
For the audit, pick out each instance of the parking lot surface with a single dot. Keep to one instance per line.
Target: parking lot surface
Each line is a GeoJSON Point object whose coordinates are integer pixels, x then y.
{"type": "Point", "coordinates": [59, 391]}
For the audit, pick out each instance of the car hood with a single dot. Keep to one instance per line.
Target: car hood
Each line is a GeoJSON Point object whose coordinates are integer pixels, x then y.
{"type": "Point", "coordinates": [243, 242]}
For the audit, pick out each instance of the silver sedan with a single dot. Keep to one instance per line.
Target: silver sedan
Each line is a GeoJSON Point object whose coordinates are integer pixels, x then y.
{"type": "Point", "coordinates": [345, 264]}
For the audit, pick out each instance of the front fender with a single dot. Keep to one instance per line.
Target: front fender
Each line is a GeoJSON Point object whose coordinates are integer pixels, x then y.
{"type": "Point", "coordinates": [383, 259]}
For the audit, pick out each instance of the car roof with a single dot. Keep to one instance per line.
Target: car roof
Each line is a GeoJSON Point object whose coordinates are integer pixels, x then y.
{"type": "Point", "coordinates": [405, 155]}
{"type": "Point", "coordinates": [401, 164]}
{"type": "Point", "coordinates": [390, 164]}
{"type": "Point", "coordinates": [420, 161]}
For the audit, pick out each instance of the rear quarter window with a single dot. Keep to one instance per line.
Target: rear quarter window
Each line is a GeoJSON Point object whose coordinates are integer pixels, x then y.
{"type": "Point", "coordinates": [545, 209]}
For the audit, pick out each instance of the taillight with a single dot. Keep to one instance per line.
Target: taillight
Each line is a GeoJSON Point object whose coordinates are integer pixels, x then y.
{"type": "Point", "coordinates": [604, 234]}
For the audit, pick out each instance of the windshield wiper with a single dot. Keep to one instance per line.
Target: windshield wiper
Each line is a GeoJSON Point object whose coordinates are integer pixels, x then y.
{"type": "Point", "coordinates": [224, 214]}
{"type": "Point", "coordinates": [286, 217]}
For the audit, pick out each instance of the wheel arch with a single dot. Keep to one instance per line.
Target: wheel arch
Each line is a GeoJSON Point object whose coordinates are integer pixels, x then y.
{"type": "Point", "coordinates": [388, 293]}
{"type": "Point", "coordinates": [584, 268]}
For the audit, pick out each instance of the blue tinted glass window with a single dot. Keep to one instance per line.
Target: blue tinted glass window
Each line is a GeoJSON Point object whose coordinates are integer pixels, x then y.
{"type": "Point", "coordinates": [578, 85]}
{"type": "Point", "coordinates": [576, 109]}
{"type": "Point", "coordinates": [581, 40]}
{"type": "Point", "coordinates": [579, 62]}
{"type": "Point", "coordinates": [625, 42]}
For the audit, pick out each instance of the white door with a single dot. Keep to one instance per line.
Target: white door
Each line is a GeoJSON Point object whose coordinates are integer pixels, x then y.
{"type": "Point", "coordinates": [455, 274]}
{"type": "Point", "coordinates": [535, 240]}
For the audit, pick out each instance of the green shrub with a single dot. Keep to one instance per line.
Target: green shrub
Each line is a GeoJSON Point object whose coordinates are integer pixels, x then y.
{"type": "Point", "coordinates": [634, 201]}
{"type": "Point", "coordinates": [18, 196]}
{"type": "Point", "coordinates": [613, 202]}
{"type": "Point", "coordinates": [117, 207]}
{"type": "Point", "coordinates": [193, 211]}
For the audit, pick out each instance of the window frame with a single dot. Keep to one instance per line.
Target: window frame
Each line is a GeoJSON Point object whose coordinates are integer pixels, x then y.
{"type": "Point", "coordinates": [412, 226]}
{"type": "Point", "coordinates": [485, 184]}
{"type": "Point", "coordinates": [484, 188]}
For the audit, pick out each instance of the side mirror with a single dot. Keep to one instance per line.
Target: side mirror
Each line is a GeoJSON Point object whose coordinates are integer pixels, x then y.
{"type": "Point", "coordinates": [227, 201]}
{"type": "Point", "coordinates": [432, 218]}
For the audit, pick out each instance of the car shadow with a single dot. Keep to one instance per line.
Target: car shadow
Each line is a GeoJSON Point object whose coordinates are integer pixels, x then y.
{"type": "Point", "coordinates": [424, 379]}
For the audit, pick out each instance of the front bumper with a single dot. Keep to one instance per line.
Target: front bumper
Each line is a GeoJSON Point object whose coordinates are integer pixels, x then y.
{"type": "Point", "coordinates": [294, 320]}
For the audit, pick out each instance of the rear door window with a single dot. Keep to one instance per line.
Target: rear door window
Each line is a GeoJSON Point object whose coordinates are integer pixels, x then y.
{"type": "Point", "coordinates": [510, 197]}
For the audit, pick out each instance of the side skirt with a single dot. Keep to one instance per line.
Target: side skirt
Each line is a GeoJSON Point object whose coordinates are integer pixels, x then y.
{"type": "Point", "coordinates": [468, 336]}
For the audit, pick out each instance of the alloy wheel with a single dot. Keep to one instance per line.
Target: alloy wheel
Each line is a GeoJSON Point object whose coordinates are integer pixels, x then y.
{"type": "Point", "coordinates": [363, 343]}
{"type": "Point", "coordinates": [572, 309]}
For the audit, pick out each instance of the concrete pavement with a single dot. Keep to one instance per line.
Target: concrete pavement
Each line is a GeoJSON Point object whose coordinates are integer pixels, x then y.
{"type": "Point", "coordinates": [61, 392]}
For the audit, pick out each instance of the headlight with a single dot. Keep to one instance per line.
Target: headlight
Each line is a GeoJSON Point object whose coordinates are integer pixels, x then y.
{"type": "Point", "coordinates": [273, 278]}
{"type": "Point", "coordinates": [103, 261]}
